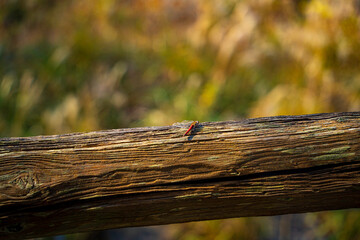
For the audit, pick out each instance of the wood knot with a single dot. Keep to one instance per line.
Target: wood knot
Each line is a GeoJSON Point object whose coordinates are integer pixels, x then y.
{"type": "Point", "coordinates": [24, 180]}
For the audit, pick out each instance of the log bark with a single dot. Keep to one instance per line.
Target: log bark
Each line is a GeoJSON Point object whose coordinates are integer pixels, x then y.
{"type": "Point", "coordinates": [52, 185]}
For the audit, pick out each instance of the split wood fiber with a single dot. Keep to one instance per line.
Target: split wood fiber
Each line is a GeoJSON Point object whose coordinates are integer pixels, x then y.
{"type": "Point", "coordinates": [52, 185]}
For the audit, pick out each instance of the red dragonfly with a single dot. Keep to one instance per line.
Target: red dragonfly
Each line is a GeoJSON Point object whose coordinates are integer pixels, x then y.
{"type": "Point", "coordinates": [192, 126]}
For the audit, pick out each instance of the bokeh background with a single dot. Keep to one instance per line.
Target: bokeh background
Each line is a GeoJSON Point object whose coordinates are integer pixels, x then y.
{"type": "Point", "coordinates": [73, 66]}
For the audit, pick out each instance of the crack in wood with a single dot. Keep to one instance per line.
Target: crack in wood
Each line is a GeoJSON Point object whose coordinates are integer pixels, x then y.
{"type": "Point", "coordinates": [261, 175]}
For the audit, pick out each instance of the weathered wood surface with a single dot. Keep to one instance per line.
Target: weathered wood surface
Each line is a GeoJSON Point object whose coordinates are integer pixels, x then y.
{"type": "Point", "coordinates": [146, 176]}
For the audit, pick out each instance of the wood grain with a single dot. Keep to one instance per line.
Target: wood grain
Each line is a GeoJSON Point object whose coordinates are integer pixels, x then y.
{"type": "Point", "coordinates": [52, 185]}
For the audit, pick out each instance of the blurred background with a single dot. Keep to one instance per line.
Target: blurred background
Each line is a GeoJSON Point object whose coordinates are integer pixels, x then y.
{"type": "Point", "coordinates": [73, 66]}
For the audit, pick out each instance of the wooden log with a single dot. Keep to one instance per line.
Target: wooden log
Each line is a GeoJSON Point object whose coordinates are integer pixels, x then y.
{"type": "Point", "coordinates": [52, 185]}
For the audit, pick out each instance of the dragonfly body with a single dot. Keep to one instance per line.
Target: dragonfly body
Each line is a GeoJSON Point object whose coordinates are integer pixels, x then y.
{"type": "Point", "coordinates": [192, 126]}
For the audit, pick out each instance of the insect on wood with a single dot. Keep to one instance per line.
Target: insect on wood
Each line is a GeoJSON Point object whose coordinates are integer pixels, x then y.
{"type": "Point", "coordinates": [192, 127]}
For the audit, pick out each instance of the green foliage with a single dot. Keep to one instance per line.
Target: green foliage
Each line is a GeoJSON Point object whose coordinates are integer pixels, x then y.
{"type": "Point", "coordinates": [69, 66]}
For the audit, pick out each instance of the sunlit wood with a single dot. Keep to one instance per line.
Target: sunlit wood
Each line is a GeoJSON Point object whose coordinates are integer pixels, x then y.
{"type": "Point", "coordinates": [79, 182]}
